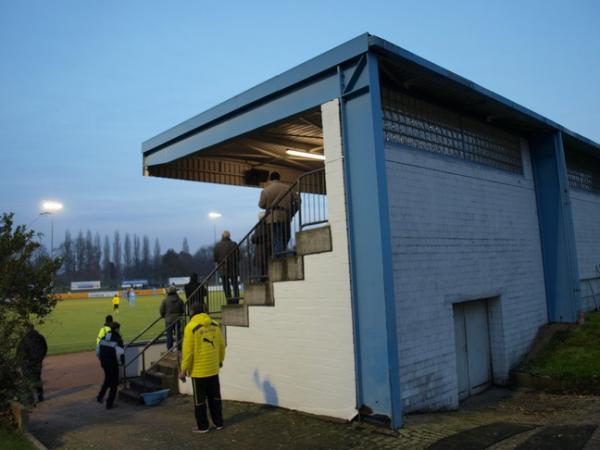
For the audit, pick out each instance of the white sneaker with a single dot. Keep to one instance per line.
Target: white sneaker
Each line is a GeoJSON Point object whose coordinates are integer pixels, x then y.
{"type": "Point", "coordinates": [200, 430]}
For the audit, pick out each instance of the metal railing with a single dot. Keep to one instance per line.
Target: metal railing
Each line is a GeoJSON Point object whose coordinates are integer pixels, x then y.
{"type": "Point", "coordinates": [299, 206]}
{"type": "Point", "coordinates": [142, 354]}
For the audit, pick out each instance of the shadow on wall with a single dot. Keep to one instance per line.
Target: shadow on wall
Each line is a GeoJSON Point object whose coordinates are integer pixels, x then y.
{"type": "Point", "coordinates": [269, 391]}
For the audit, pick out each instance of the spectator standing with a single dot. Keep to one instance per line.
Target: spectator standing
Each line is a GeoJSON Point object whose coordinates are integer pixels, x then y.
{"type": "Point", "coordinates": [194, 291]}
{"type": "Point", "coordinates": [171, 309]}
{"type": "Point", "coordinates": [279, 208]}
{"type": "Point", "coordinates": [111, 353]}
{"type": "Point", "coordinates": [31, 353]}
{"type": "Point", "coordinates": [227, 255]}
{"type": "Point", "coordinates": [262, 247]}
{"type": "Point", "coordinates": [203, 355]}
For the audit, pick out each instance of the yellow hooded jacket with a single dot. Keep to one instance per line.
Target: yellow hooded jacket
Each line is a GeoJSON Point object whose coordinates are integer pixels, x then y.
{"type": "Point", "coordinates": [203, 347]}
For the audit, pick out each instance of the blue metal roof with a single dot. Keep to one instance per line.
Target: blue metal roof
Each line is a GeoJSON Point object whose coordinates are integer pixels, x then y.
{"type": "Point", "coordinates": [328, 61]}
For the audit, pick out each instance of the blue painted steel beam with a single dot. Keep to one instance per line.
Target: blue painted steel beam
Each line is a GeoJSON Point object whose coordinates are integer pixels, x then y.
{"type": "Point", "coordinates": [373, 296]}
{"type": "Point", "coordinates": [561, 272]}
{"type": "Point", "coordinates": [274, 86]}
{"type": "Point", "coordinates": [302, 97]}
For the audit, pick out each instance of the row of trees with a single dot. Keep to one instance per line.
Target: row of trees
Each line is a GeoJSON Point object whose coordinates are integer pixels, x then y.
{"type": "Point", "coordinates": [88, 256]}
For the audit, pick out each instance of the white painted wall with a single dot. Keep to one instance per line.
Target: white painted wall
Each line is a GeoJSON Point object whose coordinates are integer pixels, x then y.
{"type": "Point", "coordinates": [299, 354]}
{"type": "Point", "coordinates": [585, 207]}
{"type": "Point", "coordinates": [460, 231]}
{"type": "Point", "coordinates": [153, 353]}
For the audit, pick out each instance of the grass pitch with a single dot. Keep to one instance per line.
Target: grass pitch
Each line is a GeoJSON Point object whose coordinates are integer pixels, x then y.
{"type": "Point", "coordinates": [74, 324]}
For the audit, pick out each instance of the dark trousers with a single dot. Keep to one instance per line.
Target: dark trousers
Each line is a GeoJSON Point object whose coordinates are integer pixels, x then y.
{"type": "Point", "coordinates": [174, 330]}
{"type": "Point", "coordinates": [207, 390]}
{"type": "Point", "coordinates": [34, 376]}
{"type": "Point", "coordinates": [281, 236]}
{"type": "Point", "coordinates": [228, 282]}
{"type": "Point", "coordinates": [111, 380]}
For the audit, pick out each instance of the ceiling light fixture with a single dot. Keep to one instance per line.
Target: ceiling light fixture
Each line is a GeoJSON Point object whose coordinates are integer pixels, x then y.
{"type": "Point", "coordinates": [305, 155]}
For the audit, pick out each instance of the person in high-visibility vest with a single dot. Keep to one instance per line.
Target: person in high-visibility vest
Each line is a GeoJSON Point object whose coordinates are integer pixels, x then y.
{"type": "Point", "coordinates": [105, 329]}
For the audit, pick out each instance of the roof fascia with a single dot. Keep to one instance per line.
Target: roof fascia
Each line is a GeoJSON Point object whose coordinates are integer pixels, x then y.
{"type": "Point", "coordinates": [308, 69]}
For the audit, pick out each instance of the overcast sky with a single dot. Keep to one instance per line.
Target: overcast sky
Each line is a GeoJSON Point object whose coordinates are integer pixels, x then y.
{"type": "Point", "coordinates": [84, 83]}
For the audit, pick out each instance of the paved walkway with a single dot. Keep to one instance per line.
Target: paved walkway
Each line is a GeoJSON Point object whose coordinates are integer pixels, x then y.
{"type": "Point", "coordinates": [497, 420]}
{"type": "Point", "coordinates": [71, 370]}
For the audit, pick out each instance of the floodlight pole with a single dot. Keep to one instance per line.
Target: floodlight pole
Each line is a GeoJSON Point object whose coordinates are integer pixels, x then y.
{"type": "Point", "coordinates": [214, 216]}
{"type": "Point", "coordinates": [50, 208]}
{"type": "Point", "coordinates": [52, 236]}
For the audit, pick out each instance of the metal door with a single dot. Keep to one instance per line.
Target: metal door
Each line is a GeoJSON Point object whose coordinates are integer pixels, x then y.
{"type": "Point", "coordinates": [473, 359]}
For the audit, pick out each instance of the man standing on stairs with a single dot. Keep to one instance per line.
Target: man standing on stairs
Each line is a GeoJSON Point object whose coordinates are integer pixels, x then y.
{"type": "Point", "coordinates": [279, 210]}
{"type": "Point", "coordinates": [171, 309]}
{"type": "Point", "coordinates": [203, 355]}
{"type": "Point", "coordinates": [226, 254]}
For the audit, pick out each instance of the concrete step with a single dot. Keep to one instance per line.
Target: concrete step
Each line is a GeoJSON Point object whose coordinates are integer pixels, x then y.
{"type": "Point", "coordinates": [234, 315]}
{"type": "Point", "coordinates": [168, 367]}
{"type": "Point", "coordinates": [143, 384]}
{"type": "Point", "coordinates": [290, 268]}
{"type": "Point", "coordinates": [163, 380]}
{"type": "Point", "coordinates": [131, 396]}
{"type": "Point", "coordinates": [171, 356]}
{"type": "Point", "coordinates": [258, 294]}
{"type": "Point", "coordinates": [315, 240]}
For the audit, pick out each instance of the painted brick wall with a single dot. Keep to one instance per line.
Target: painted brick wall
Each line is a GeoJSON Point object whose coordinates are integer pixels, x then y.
{"type": "Point", "coordinates": [586, 219]}
{"type": "Point", "coordinates": [299, 354]}
{"type": "Point", "coordinates": [460, 232]}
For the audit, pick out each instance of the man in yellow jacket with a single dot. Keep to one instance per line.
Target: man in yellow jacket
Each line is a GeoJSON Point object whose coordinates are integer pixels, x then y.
{"type": "Point", "coordinates": [203, 355]}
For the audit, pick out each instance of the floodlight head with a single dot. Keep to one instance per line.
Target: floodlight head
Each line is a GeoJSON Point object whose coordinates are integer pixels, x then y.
{"type": "Point", "coordinates": [51, 206]}
{"type": "Point", "coordinates": [214, 215]}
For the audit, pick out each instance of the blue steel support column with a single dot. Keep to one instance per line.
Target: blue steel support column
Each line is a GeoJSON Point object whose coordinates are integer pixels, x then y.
{"type": "Point", "coordinates": [370, 248]}
{"type": "Point", "coordinates": [561, 272]}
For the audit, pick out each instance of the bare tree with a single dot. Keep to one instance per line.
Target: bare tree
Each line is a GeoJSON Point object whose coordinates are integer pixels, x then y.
{"type": "Point", "coordinates": [117, 259]}
{"type": "Point", "coordinates": [137, 255]}
{"type": "Point", "coordinates": [127, 257]}
{"type": "Point", "coordinates": [145, 257]}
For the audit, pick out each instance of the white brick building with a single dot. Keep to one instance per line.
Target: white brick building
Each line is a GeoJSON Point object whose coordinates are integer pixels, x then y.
{"type": "Point", "coordinates": [459, 223]}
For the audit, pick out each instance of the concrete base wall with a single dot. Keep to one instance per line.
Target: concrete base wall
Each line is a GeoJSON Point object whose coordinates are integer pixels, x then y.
{"type": "Point", "coordinates": [460, 232]}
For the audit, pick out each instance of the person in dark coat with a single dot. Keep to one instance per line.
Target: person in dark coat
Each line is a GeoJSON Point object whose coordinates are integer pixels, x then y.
{"type": "Point", "coordinates": [276, 199]}
{"type": "Point", "coordinates": [110, 351]}
{"type": "Point", "coordinates": [226, 251]}
{"type": "Point", "coordinates": [31, 353]}
{"type": "Point", "coordinates": [262, 242]}
{"type": "Point", "coordinates": [171, 309]}
{"type": "Point", "coordinates": [195, 292]}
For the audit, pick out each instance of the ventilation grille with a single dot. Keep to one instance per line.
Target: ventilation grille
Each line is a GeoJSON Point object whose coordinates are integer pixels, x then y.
{"type": "Point", "coordinates": [583, 171]}
{"type": "Point", "coordinates": [418, 124]}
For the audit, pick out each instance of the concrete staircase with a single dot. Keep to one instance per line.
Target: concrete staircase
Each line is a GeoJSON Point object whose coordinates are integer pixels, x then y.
{"type": "Point", "coordinates": [289, 268]}
{"type": "Point", "coordinates": [162, 376]}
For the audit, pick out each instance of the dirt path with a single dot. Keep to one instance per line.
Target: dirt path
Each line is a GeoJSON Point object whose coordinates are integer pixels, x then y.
{"type": "Point", "coordinates": [71, 370]}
